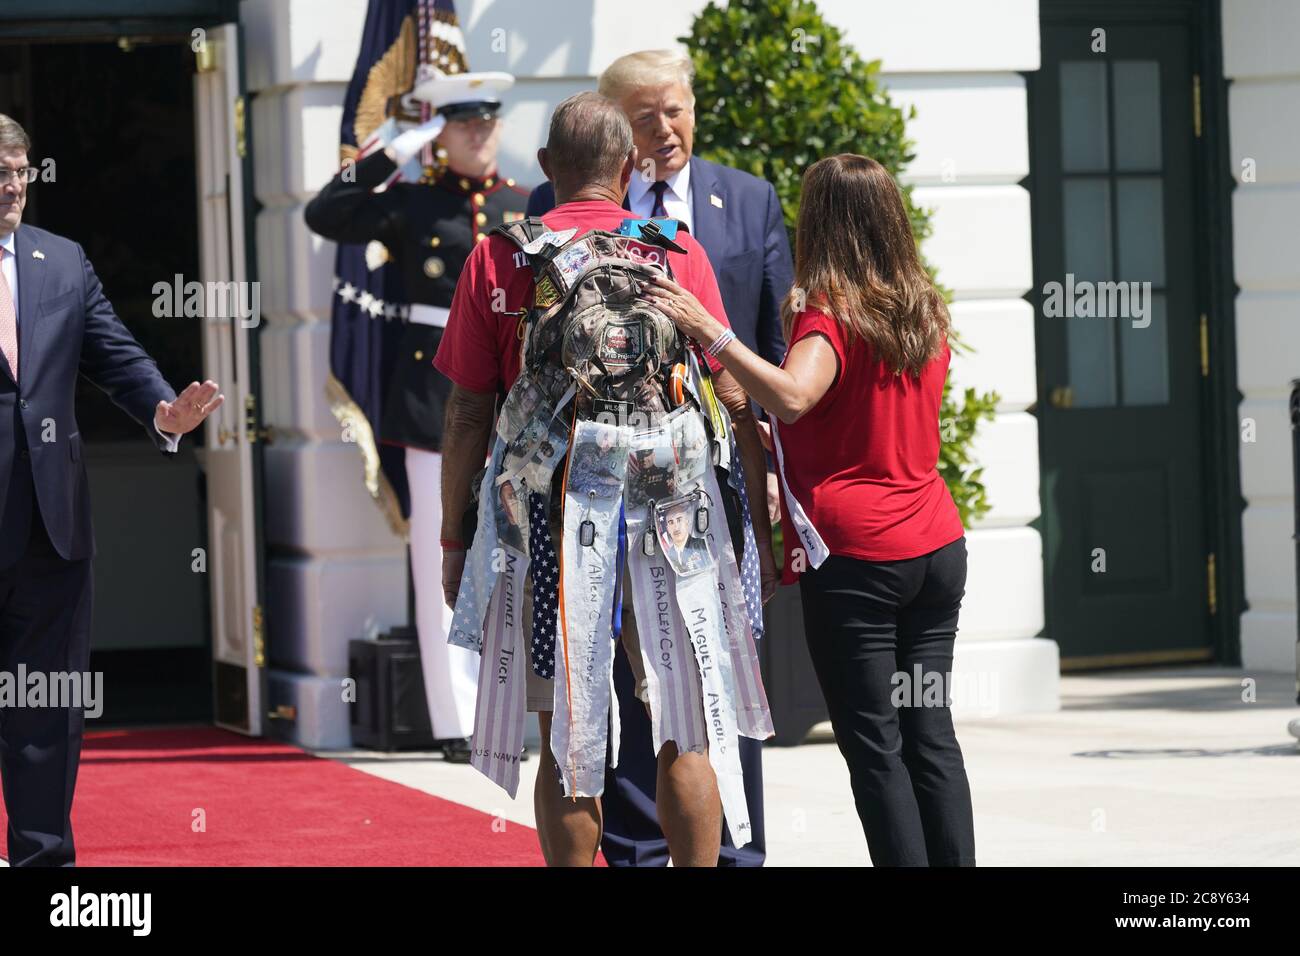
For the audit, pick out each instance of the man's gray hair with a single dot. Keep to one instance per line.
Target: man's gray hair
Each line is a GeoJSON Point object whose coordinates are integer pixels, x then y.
{"type": "Point", "coordinates": [13, 136]}
{"type": "Point", "coordinates": [589, 140]}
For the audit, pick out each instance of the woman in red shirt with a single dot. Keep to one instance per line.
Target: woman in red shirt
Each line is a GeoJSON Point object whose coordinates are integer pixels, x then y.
{"type": "Point", "coordinates": [872, 534]}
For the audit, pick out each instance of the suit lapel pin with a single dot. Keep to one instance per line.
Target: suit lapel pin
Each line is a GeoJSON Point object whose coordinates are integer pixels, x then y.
{"type": "Point", "coordinates": [37, 254]}
{"type": "Point", "coordinates": [715, 200]}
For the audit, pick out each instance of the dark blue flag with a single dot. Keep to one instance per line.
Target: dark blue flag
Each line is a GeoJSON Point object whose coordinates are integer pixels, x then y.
{"type": "Point", "coordinates": [369, 305]}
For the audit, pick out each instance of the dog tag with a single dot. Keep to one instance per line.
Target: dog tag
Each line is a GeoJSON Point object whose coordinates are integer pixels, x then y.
{"type": "Point", "coordinates": [587, 534]}
{"type": "Point", "coordinates": [701, 519]}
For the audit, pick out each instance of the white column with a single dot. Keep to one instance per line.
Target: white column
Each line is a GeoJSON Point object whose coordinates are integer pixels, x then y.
{"type": "Point", "coordinates": [336, 572]}
{"type": "Point", "coordinates": [972, 150]}
{"type": "Point", "coordinates": [1261, 55]}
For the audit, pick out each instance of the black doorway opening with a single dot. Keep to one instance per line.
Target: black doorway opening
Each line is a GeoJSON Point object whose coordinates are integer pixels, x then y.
{"type": "Point", "coordinates": [113, 123]}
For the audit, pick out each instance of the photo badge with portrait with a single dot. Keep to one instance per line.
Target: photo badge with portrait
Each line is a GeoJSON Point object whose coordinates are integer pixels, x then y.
{"type": "Point", "coordinates": [682, 524]}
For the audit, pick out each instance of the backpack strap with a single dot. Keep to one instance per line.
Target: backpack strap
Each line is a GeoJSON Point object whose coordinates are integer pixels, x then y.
{"type": "Point", "coordinates": [539, 245]}
{"type": "Point", "coordinates": [536, 241]}
{"type": "Point", "coordinates": [522, 231]}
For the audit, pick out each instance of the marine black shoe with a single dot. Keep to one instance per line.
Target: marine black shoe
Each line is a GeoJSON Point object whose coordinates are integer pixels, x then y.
{"type": "Point", "coordinates": [456, 751]}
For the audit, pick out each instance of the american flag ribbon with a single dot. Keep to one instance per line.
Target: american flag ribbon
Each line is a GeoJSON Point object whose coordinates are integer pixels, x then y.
{"type": "Point", "coordinates": [546, 591]}
{"type": "Point", "coordinates": [749, 571]}
{"type": "Point", "coordinates": [753, 717]}
{"type": "Point", "coordinates": [499, 713]}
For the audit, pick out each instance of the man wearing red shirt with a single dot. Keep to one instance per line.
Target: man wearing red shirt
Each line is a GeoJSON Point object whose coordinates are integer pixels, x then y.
{"type": "Point", "coordinates": [589, 158]}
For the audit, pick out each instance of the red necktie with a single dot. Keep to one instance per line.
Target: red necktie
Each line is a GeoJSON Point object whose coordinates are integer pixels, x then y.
{"type": "Point", "coordinates": [8, 321]}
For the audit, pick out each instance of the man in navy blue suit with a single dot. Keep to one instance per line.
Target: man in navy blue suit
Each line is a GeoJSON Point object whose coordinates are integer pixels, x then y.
{"type": "Point", "coordinates": [55, 323]}
{"type": "Point", "coordinates": [737, 218]}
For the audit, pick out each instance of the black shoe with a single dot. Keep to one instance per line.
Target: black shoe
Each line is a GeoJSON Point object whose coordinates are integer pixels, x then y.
{"type": "Point", "coordinates": [456, 751]}
{"type": "Point", "coordinates": [523, 754]}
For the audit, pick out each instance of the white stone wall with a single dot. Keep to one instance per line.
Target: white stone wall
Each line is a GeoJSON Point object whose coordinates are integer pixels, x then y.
{"type": "Point", "coordinates": [971, 133]}
{"type": "Point", "coordinates": [336, 571]}
{"type": "Point", "coordinates": [1261, 55]}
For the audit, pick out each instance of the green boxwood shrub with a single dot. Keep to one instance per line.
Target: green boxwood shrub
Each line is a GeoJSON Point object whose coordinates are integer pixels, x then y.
{"type": "Point", "coordinates": [777, 88]}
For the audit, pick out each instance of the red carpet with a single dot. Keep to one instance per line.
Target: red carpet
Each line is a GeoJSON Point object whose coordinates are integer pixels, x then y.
{"type": "Point", "coordinates": [266, 804]}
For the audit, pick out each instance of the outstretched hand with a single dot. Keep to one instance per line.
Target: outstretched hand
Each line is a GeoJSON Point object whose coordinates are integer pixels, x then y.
{"type": "Point", "coordinates": [691, 318]}
{"type": "Point", "coordinates": [193, 405]}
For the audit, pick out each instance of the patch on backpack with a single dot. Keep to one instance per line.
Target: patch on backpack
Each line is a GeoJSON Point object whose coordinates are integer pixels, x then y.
{"type": "Point", "coordinates": [546, 295]}
{"type": "Point", "coordinates": [620, 345]}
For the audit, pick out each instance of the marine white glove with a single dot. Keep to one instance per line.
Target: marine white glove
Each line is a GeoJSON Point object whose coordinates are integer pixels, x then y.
{"type": "Point", "coordinates": [406, 146]}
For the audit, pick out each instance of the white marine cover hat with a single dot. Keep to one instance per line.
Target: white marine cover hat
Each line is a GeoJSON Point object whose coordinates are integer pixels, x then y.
{"type": "Point", "coordinates": [459, 94]}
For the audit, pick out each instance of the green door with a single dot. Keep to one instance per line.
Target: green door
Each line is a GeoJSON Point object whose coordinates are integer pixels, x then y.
{"type": "Point", "coordinates": [1119, 341]}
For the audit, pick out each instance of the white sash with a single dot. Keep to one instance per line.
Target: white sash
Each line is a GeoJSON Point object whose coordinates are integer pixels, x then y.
{"type": "Point", "coordinates": [672, 679]}
{"type": "Point", "coordinates": [499, 716]}
{"type": "Point", "coordinates": [812, 541]}
{"type": "Point", "coordinates": [584, 657]}
{"type": "Point", "coordinates": [697, 597]}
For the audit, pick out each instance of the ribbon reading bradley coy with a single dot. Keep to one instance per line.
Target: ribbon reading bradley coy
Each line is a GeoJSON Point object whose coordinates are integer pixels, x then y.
{"type": "Point", "coordinates": [672, 679]}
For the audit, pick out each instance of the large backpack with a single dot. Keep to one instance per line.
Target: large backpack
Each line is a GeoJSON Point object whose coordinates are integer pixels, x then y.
{"type": "Point", "coordinates": [589, 322]}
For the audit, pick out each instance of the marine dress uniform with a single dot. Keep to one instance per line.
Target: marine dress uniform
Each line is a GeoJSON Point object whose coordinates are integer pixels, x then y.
{"type": "Point", "coordinates": [428, 228]}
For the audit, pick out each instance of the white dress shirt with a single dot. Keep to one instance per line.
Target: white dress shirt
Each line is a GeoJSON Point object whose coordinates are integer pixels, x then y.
{"type": "Point", "coordinates": [677, 197]}
{"type": "Point", "coordinates": [11, 268]}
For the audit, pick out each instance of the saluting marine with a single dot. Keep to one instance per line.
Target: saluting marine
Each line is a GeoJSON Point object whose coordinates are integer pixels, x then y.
{"type": "Point", "coordinates": [428, 228]}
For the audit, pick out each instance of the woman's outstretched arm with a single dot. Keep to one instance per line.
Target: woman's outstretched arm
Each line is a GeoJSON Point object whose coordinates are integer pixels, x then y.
{"type": "Point", "coordinates": [788, 393]}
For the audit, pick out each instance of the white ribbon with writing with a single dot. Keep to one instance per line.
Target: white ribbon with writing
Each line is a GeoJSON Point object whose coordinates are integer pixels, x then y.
{"type": "Point", "coordinates": [672, 679]}
{"type": "Point", "coordinates": [502, 680]}
{"type": "Point", "coordinates": [584, 657]}
{"type": "Point", "coordinates": [697, 597]}
{"type": "Point", "coordinates": [813, 544]}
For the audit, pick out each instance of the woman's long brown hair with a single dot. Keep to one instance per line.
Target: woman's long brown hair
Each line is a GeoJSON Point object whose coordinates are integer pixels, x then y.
{"type": "Point", "coordinates": [856, 259]}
